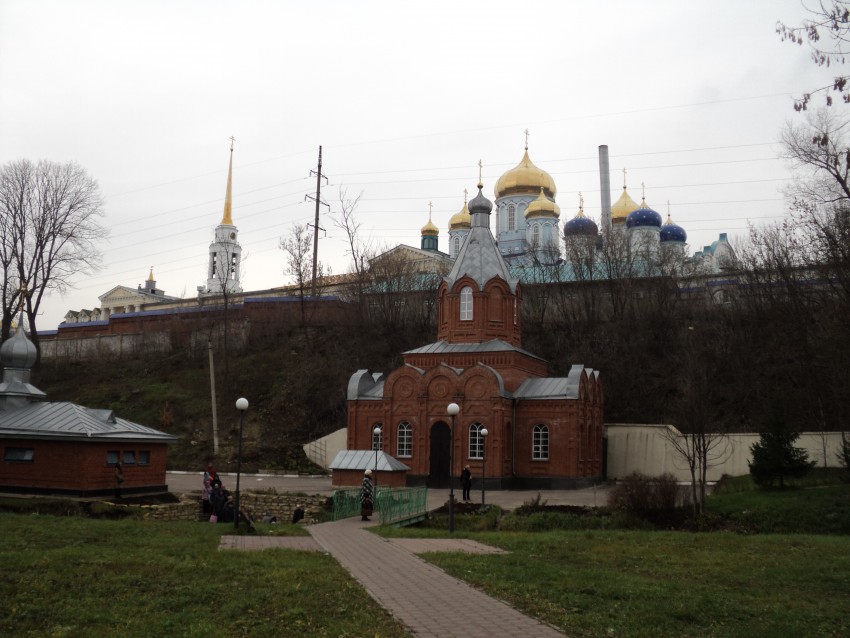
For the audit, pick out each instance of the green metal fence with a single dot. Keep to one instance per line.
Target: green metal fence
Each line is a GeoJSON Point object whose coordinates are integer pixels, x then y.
{"type": "Point", "coordinates": [399, 506]}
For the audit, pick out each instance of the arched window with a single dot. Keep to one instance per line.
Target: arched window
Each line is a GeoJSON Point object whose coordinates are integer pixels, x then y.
{"type": "Point", "coordinates": [535, 236]}
{"type": "Point", "coordinates": [511, 217]}
{"type": "Point", "coordinates": [466, 303]}
{"type": "Point", "coordinates": [476, 441]}
{"type": "Point", "coordinates": [405, 439]}
{"type": "Point", "coordinates": [377, 439]}
{"type": "Point", "coordinates": [455, 246]}
{"type": "Point", "coordinates": [540, 443]}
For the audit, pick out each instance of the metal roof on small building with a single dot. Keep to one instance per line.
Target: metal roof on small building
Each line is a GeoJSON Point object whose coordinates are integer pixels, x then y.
{"type": "Point", "coordinates": [68, 421]}
{"type": "Point", "coordinates": [365, 460]}
{"type": "Point", "coordinates": [494, 345]}
{"type": "Point", "coordinates": [553, 388]}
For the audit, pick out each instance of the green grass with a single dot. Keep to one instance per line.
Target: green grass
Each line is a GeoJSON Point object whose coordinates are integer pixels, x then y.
{"type": "Point", "coordinates": [653, 584]}
{"type": "Point", "coordinates": [78, 577]}
{"type": "Point", "coordinates": [820, 510]}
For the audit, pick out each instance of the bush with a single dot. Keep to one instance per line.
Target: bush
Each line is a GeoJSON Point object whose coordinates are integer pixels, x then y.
{"type": "Point", "coordinates": [645, 496]}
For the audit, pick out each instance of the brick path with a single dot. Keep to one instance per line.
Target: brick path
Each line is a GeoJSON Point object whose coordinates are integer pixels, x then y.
{"type": "Point", "coordinates": [426, 599]}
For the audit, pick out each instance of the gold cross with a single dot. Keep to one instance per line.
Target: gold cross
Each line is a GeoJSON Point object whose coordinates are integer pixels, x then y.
{"type": "Point", "coordinates": [526, 139]}
{"type": "Point", "coordinates": [430, 208]}
{"type": "Point", "coordinates": [480, 168]}
{"type": "Point", "coordinates": [465, 193]}
{"type": "Point", "coordinates": [232, 140]}
{"type": "Point", "coordinates": [580, 201]}
{"type": "Point", "coordinates": [624, 178]}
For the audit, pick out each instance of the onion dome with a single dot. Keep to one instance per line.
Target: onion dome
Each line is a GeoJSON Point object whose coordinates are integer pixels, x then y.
{"type": "Point", "coordinates": [461, 220]}
{"type": "Point", "coordinates": [480, 204]}
{"type": "Point", "coordinates": [525, 179]}
{"type": "Point", "coordinates": [542, 207]}
{"type": "Point", "coordinates": [672, 232]}
{"type": "Point", "coordinates": [580, 225]}
{"type": "Point", "coordinates": [429, 229]}
{"type": "Point", "coordinates": [18, 351]}
{"type": "Point", "coordinates": [623, 207]}
{"type": "Point", "coordinates": [643, 217]}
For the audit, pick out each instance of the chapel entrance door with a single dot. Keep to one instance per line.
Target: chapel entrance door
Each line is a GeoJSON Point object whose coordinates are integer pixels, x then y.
{"type": "Point", "coordinates": [438, 469]}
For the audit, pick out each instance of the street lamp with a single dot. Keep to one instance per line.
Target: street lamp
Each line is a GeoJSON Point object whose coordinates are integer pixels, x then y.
{"type": "Point", "coordinates": [241, 405]}
{"type": "Point", "coordinates": [376, 442]}
{"type": "Point", "coordinates": [453, 410]}
{"type": "Point", "coordinates": [484, 434]}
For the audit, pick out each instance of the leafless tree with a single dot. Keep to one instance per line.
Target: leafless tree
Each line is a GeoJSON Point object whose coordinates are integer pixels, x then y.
{"type": "Point", "coordinates": [50, 230]}
{"type": "Point", "coordinates": [298, 251]}
{"type": "Point", "coordinates": [827, 33]}
{"type": "Point", "coordinates": [358, 249]}
{"type": "Point", "coordinates": [703, 443]}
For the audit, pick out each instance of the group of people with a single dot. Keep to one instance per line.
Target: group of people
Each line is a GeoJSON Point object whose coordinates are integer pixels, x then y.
{"type": "Point", "coordinates": [216, 500]}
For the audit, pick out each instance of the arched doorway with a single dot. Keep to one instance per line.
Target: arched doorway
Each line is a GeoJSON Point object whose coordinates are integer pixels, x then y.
{"type": "Point", "coordinates": [438, 469]}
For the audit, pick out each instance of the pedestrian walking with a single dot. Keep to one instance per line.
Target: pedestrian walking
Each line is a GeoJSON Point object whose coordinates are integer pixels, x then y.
{"type": "Point", "coordinates": [466, 482]}
{"type": "Point", "coordinates": [366, 502]}
{"type": "Point", "coordinates": [119, 478]}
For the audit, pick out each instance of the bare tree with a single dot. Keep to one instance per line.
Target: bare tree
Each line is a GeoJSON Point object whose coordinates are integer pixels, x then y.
{"type": "Point", "coordinates": [49, 216]}
{"type": "Point", "coordinates": [298, 250]}
{"type": "Point", "coordinates": [703, 443]}
{"type": "Point", "coordinates": [358, 250]}
{"type": "Point", "coordinates": [827, 33]}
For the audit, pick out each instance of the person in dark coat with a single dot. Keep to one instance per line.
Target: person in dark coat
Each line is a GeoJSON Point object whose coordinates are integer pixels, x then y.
{"type": "Point", "coordinates": [466, 482]}
{"type": "Point", "coordinates": [119, 478]}
{"type": "Point", "coordinates": [297, 514]}
{"type": "Point", "coordinates": [366, 502]}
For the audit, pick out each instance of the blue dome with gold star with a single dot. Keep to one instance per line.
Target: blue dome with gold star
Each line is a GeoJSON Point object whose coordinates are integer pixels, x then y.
{"type": "Point", "coordinates": [643, 217]}
{"type": "Point", "coordinates": [671, 231]}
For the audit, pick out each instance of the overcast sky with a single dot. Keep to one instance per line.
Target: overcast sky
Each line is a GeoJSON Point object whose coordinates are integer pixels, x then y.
{"type": "Point", "coordinates": [405, 98]}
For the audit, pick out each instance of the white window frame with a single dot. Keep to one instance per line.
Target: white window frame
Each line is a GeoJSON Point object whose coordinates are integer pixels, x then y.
{"type": "Point", "coordinates": [466, 303]}
{"type": "Point", "coordinates": [405, 440]}
{"type": "Point", "coordinates": [476, 441]}
{"type": "Point", "coordinates": [540, 442]}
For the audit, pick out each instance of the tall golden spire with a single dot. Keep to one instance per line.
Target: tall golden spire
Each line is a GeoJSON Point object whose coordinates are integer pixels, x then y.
{"type": "Point", "coordinates": [227, 218]}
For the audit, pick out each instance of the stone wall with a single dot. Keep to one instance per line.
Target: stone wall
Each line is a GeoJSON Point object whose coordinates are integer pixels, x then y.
{"type": "Point", "coordinates": [648, 449]}
{"type": "Point", "coordinates": [258, 503]}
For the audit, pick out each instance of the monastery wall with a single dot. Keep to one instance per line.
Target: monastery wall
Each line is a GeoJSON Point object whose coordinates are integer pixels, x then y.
{"type": "Point", "coordinates": [649, 449]}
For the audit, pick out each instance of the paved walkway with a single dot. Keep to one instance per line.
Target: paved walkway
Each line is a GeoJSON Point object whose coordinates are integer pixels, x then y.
{"type": "Point", "coordinates": [425, 598]}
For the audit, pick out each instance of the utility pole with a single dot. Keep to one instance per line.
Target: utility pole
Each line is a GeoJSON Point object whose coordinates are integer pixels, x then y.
{"type": "Point", "coordinates": [316, 227]}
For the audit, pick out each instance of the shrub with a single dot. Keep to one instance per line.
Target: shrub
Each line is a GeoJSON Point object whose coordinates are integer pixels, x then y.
{"type": "Point", "coordinates": [646, 497]}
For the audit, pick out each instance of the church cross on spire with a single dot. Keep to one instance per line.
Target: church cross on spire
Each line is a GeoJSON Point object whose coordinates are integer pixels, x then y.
{"type": "Point", "coordinates": [465, 194]}
{"type": "Point", "coordinates": [526, 139]}
{"type": "Point", "coordinates": [624, 178]}
{"type": "Point", "coordinates": [430, 209]}
{"type": "Point", "coordinates": [480, 169]}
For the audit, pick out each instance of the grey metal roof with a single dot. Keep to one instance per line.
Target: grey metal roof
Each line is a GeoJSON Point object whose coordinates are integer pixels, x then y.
{"type": "Point", "coordinates": [553, 387]}
{"type": "Point", "coordinates": [365, 460]}
{"type": "Point", "coordinates": [68, 421]}
{"type": "Point", "coordinates": [480, 259]}
{"type": "Point", "coordinates": [494, 345]}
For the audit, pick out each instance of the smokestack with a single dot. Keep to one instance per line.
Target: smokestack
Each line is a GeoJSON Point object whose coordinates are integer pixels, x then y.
{"type": "Point", "coordinates": [605, 188]}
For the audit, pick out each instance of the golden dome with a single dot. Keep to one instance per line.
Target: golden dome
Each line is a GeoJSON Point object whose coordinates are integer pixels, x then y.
{"type": "Point", "coordinates": [430, 229]}
{"type": "Point", "coordinates": [623, 208]}
{"type": "Point", "coordinates": [525, 179]}
{"type": "Point", "coordinates": [542, 207]}
{"type": "Point", "coordinates": [461, 220]}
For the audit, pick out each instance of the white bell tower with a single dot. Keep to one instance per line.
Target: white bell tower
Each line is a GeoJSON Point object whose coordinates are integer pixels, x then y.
{"type": "Point", "coordinates": [225, 252]}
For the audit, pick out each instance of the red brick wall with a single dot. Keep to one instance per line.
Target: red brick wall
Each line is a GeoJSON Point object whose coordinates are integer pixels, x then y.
{"type": "Point", "coordinates": [79, 466]}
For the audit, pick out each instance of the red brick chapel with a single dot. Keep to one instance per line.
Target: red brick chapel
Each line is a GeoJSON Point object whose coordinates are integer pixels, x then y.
{"type": "Point", "coordinates": [542, 432]}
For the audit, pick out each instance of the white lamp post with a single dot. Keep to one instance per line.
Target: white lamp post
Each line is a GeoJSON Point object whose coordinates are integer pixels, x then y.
{"type": "Point", "coordinates": [241, 405]}
{"type": "Point", "coordinates": [453, 411]}
{"type": "Point", "coordinates": [484, 434]}
{"type": "Point", "coordinates": [377, 433]}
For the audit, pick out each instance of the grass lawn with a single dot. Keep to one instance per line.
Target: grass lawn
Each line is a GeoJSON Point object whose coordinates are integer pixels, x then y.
{"type": "Point", "coordinates": [73, 576]}
{"type": "Point", "coordinates": [634, 583]}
